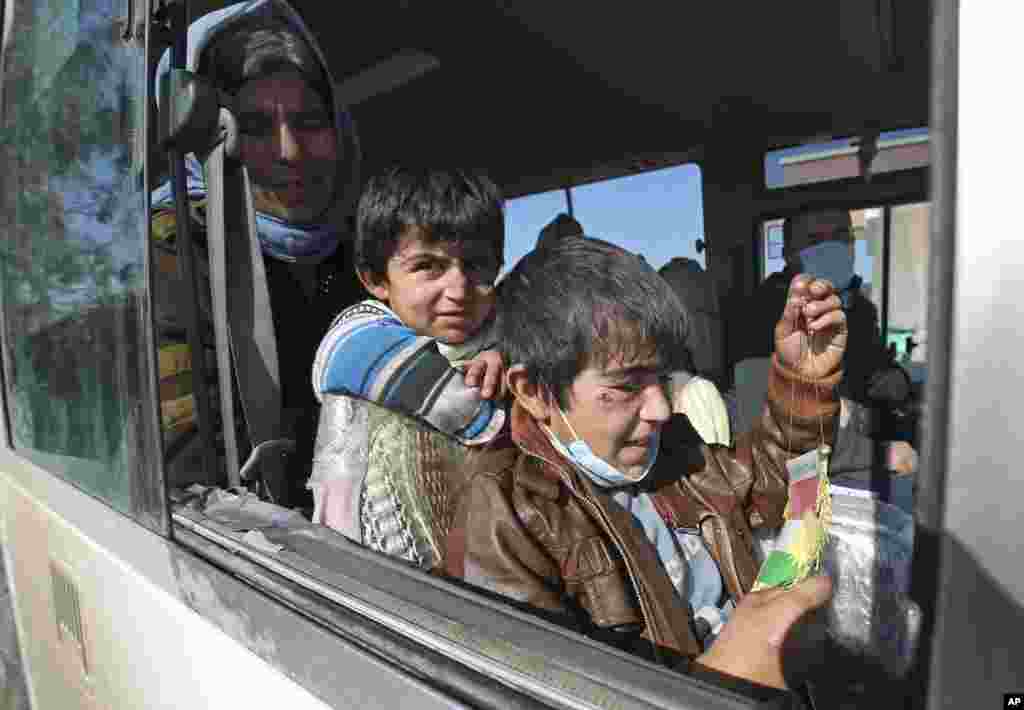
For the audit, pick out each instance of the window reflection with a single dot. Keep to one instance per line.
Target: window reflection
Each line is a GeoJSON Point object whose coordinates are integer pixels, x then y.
{"type": "Point", "coordinates": [73, 247]}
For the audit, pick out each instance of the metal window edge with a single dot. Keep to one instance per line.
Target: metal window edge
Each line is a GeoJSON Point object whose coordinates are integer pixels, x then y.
{"type": "Point", "coordinates": [519, 669]}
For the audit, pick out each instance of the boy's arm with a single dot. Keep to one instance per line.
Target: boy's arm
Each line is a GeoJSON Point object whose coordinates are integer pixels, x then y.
{"type": "Point", "coordinates": [370, 354]}
{"type": "Point", "coordinates": [802, 403]}
{"type": "Point", "coordinates": [487, 372]}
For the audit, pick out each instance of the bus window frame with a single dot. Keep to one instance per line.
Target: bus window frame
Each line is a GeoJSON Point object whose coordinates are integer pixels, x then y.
{"type": "Point", "coordinates": [460, 637]}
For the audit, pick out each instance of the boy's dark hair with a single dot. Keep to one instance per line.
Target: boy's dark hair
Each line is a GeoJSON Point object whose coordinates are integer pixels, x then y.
{"type": "Point", "coordinates": [446, 205]}
{"type": "Point", "coordinates": [581, 302]}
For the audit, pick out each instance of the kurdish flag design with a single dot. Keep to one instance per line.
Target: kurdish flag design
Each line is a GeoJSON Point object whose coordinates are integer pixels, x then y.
{"type": "Point", "coordinates": [800, 543]}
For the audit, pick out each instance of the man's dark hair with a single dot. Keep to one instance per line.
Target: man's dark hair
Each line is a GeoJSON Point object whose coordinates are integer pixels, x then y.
{"type": "Point", "coordinates": [253, 50]}
{"type": "Point", "coordinates": [794, 228]}
{"type": "Point", "coordinates": [561, 227]}
{"type": "Point", "coordinates": [444, 205]}
{"type": "Point", "coordinates": [581, 302]}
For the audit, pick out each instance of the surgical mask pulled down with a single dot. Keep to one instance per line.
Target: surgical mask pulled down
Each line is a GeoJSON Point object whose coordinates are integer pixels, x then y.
{"type": "Point", "coordinates": [600, 471]}
{"type": "Point", "coordinates": [829, 260]}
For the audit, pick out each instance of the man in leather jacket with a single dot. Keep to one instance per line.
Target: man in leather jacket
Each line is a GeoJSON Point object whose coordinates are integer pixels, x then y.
{"type": "Point", "coordinates": [604, 507]}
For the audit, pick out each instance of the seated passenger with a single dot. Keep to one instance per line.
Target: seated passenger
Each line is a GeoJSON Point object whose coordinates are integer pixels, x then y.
{"type": "Point", "coordinates": [429, 245]}
{"type": "Point", "coordinates": [561, 227]}
{"type": "Point", "coordinates": [299, 144]}
{"type": "Point", "coordinates": [601, 504]}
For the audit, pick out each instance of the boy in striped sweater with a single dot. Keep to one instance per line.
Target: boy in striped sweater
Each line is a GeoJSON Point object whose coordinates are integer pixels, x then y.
{"type": "Point", "coordinates": [429, 246]}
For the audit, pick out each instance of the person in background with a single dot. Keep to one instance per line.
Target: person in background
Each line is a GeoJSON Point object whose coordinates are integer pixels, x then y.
{"type": "Point", "coordinates": [301, 149]}
{"type": "Point", "coordinates": [821, 244]}
{"type": "Point", "coordinates": [559, 228]}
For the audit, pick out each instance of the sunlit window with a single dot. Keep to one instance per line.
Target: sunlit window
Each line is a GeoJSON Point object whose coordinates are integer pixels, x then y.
{"type": "Point", "coordinates": [834, 160]}
{"type": "Point", "coordinates": [657, 214]}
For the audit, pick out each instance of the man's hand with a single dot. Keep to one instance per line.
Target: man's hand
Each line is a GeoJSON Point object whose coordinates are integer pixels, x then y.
{"type": "Point", "coordinates": [751, 645]}
{"type": "Point", "coordinates": [811, 335]}
{"type": "Point", "coordinates": [489, 368]}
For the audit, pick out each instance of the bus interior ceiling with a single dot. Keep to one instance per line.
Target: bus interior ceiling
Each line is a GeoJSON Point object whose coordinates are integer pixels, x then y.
{"type": "Point", "coordinates": [543, 95]}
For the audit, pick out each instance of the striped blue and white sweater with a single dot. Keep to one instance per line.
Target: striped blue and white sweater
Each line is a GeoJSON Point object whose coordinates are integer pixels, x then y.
{"type": "Point", "coordinates": [369, 355]}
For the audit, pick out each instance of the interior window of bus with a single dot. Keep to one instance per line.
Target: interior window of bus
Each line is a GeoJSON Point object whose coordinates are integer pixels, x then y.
{"type": "Point", "coordinates": [832, 160]}
{"type": "Point", "coordinates": [657, 214]}
{"type": "Point", "coordinates": [525, 217]}
{"type": "Point", "coordinates": [73, 267]}
{"type": "Point", "coordinates": [670, 201]}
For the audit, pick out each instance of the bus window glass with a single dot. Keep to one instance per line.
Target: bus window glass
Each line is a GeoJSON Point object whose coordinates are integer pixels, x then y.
{"type": "Point", "coordinates": [525, 217]}
{"type": "Point", "coordinates": [834, 160]}
{"type": "Point", "coordinates": [73, 267]}
{"type": "Point", "coordinates": [657, 214]}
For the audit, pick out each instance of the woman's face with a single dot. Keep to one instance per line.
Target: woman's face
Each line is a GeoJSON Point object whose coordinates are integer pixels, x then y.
{"type": "Point", "coordinates": [289, 145]}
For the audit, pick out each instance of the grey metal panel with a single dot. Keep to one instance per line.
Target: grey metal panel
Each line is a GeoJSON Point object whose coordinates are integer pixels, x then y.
{"type": "Point", "coordinates": [968, 567]}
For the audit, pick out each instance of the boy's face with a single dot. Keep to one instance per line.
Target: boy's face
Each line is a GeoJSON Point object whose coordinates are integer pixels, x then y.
{"type": "Point", "coordinates": [444, 290]}
{"type": "Point", "coordinates": [616, 409]}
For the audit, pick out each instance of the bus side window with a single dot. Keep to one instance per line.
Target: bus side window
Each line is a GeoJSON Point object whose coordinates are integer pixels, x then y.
{"type": "Point", "coordinates": [74, 249]}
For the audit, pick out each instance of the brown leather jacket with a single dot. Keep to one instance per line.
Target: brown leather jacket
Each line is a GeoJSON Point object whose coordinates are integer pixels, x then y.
{"type": "Point", "coordinates": [529, 526]}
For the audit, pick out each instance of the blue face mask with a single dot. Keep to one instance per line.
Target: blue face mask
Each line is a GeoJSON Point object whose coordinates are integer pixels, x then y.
{"type": "Point", "coordinates": [829, 260]}
{"type": "Point", "coordinates": [600, 471]}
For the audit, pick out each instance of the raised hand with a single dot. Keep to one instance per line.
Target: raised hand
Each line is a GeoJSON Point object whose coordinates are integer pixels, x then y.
{"type": "Point", "coordinates": [810, 338]}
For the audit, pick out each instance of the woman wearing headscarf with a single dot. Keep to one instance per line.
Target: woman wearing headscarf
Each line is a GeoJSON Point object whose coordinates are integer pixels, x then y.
{"type": "Point", "coordinates": [301, 150]}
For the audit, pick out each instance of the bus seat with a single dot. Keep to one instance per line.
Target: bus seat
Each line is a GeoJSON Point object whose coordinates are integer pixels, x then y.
{"type": "Point", "coordinates": [751, 377]}
{"type": "Point", "coordinates": [385, 480]}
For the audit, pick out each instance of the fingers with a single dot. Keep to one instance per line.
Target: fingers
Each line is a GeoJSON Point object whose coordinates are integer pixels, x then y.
{"type": "Point", "coordinates": [474, 371]}
{"type": "Point", "coordinates": [818, 307]}
{"type": "Point", "coordinates": [492, 381]}
{"type": "Point", "coordinates": [790, 605]}
{"type": "Point", "coordinates": [831, 319]}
